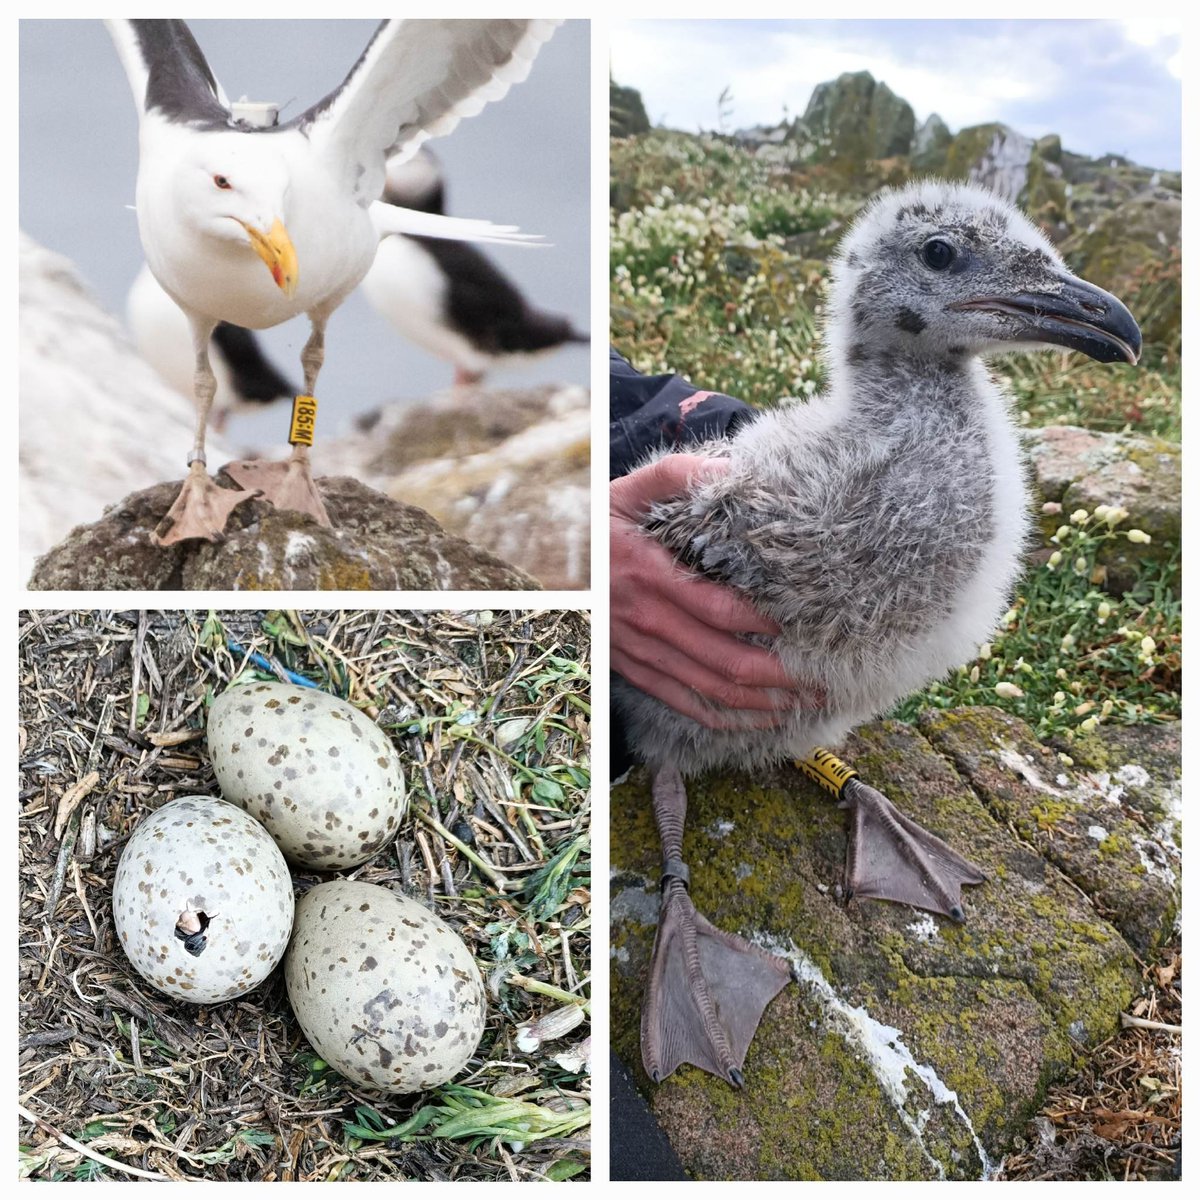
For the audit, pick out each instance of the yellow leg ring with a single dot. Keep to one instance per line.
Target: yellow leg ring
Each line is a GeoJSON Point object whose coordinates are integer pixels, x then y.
{"type": "Point", "coordinates": [304, 421]}
{"type": "Point", "coordinates": [827, 770]}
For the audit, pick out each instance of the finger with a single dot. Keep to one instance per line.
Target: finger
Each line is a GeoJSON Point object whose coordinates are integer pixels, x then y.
{"type": "Point", "coordinates": [672, 475]}
{"type": "Point", "coordinates": [652, 654]}
{"type": "Point", "coordinates": [684, 700]}
{"type": "Point", "coordinates": [716, 604]}
{"type": "Point", "coordinates": [719, 652]}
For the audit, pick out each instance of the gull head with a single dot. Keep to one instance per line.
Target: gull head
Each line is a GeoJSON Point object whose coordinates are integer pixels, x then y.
{"type": "Point", "coordinates": [227, 188]}
{"type": "Point", "coordinates": [943, 271]}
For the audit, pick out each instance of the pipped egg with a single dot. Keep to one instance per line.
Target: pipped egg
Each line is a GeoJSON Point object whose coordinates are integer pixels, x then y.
{"type": "Point", "coordinates": [202, 900]}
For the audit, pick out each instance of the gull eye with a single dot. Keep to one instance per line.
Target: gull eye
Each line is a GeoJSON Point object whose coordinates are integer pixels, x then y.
{"type": "Point", "coordinates": [222, 183]}
{"type": "Point", "coordinates": [937, 255]}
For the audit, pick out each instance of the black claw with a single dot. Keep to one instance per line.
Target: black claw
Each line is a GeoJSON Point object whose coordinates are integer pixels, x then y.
{"type": "Point", "coordinates": [655, 1077]}
{"type": "Point", "coordinates": [957, 914]}
{"type": "Point", "coordinates": [736, 1078]}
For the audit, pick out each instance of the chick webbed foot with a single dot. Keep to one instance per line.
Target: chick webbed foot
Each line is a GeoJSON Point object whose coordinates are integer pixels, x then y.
{"type": "Point", "coordinates": [891, 857]}
{"type": "Point", "coordinates": [706, 994]}
{"type": "Point", "coordinates": [707, 989]}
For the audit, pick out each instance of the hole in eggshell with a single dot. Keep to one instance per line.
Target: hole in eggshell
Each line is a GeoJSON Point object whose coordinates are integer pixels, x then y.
{"type": "Point", "coordinates": [191, 928]}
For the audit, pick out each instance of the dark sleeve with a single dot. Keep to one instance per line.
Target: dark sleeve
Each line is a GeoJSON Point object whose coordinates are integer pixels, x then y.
{"type": "Point", "coordinates": [647, 413]}
{"type": "Point", "coordinates": [652, 412]}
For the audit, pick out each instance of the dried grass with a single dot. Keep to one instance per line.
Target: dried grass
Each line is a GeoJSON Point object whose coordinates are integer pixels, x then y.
{"type": "Point", "coordinates": [491, 714]}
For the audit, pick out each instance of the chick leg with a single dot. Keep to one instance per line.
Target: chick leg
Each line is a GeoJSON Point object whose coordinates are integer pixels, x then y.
{"type": "Point", "coordinates": [290, 484]}
{"type": "Point", "coordinates": [890, 857]}
{"type": "Point", "coordinates": [707, 989]}
{"type": "Point", "coordinates": [202, 508]}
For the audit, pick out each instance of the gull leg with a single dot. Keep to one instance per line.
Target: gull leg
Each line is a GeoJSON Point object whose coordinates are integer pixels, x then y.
{"type": "Point", "coordinates": [202, 508]}
{"type": "Point", "coordinates": [290, 484]}
{"type": "Point", "coordinates": [707, 989]}
{"type": "Point", "coordinates": [890, 857]}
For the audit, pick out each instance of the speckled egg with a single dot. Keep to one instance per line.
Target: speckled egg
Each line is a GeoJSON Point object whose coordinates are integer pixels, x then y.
{"type": "Point", "coordinates": [387, 992]}
{"type": "Point", "coordinates": [320, 775]}
{"type": "Point", "coordinates": [202, 900]}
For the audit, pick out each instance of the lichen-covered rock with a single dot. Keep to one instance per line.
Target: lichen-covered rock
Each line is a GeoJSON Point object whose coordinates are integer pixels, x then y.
{"type": "Point", "coordinates": [993, 156]}
{"type": "Point", "coordinates": [507, 469]}
{"type": "Point", "coordinates": [1081, 468]}
{"type": "Point", "coordinates": [854, 117]}
{"type": "Point", "coordinates": [375, 544]}
{"type": "Point", "coordinates": [1114, 832]}
{"type": "Point", "coordinates": [911, 1048]}
{"type": "Point", "coordinates": [1128, 242]}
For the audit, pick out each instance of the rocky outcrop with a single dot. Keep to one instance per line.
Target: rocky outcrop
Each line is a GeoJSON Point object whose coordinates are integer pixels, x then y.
{"type": "Point", "coordinates": [506, 469]}
{"type": "Point", "coordinates": [375, 544]}
{"type": "Point", "coordinates": [910, 1047]}
{"type": "Point", "coordinates": [1080, 469]}
{"type": "Point", "coordinates": [931, 144]}
{"type": "Point", "coordinates": [626, 112]}
{"type": "Point", "coordinates": [856, 117]}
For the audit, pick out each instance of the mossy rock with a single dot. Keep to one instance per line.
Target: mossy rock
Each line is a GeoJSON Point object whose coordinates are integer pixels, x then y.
{"type": "Point", "coordinates": [851, 1072]}
{"type": "Point", "coordinates": [856, 118]}
{"type": "Point", "coordinates": [376, 544]}
{"type": "Point", "coordinates": [1133, 244]}
{"type": "Point", "coordinates": [1112, 832]}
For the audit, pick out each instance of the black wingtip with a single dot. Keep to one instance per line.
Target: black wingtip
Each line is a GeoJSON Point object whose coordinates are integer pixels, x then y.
{"type": "Point", "coordinates": [737, 1079]}
{"type": "Point", "coordinates": [957, 914]}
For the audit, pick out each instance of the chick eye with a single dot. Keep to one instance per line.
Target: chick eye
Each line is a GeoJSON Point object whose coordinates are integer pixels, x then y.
{"type": "Point", "coordinates": [937, 254]}
{"type": "Point", "coordinates": [222, 182]}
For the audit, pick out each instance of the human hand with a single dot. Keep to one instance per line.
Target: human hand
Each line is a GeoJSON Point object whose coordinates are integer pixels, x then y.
{"type": "Point", "coordinates": [674, 634]}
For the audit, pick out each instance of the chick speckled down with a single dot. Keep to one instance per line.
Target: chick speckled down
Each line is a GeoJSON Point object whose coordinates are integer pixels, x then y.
{"type": "Point", "coordinates": [386, 992]}
{"type": "Point", "coordinates": [319, 774]}
{"type": "Point", "coordinates": [199, 863]}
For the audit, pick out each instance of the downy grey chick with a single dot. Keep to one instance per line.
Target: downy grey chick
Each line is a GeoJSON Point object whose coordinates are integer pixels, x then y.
{"type": "Point", "coordinates": [882, 525]}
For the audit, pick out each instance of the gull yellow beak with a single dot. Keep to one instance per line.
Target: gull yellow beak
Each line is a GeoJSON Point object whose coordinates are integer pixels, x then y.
{"type": "Point", "coordinates": [275, 249]}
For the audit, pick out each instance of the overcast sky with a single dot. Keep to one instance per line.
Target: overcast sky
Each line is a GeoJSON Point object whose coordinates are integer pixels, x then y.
{"type": "Point", "coordinates": [1105, 86]}
{"type": "Point", "coordinates": [524, 160]}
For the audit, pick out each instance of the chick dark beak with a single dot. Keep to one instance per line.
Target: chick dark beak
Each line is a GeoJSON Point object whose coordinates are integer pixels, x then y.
{"type": "Point", "coordinates": [1079, 316]}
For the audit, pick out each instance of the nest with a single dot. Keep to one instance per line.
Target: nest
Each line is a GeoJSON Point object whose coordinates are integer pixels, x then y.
{"type": "Point", "coordinates": [490, 713]}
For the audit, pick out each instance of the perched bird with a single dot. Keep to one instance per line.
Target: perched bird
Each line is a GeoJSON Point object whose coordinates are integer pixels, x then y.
{"type": "Point", "coordinates": [163, 336]}
{"type": "Point", "coordinates": [219, 198]}
{"type": "Point", "coordinates": [448, 297]}
{"type": "Point", "coordinates": [882, 526]}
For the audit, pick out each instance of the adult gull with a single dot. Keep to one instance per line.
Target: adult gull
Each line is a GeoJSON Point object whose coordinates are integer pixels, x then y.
{"type": "Point", "coordinates": [220, 197]}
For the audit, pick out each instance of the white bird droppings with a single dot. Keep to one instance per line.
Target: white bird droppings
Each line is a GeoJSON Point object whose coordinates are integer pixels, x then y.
{"type": "Point", "coordinates": [883, 1048]}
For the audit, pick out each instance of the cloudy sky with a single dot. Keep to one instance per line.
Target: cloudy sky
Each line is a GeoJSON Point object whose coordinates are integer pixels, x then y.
{"type": "Point", "coordinates": [523, 161]}
{"type": "Point", "coordinates": [1105, 86]}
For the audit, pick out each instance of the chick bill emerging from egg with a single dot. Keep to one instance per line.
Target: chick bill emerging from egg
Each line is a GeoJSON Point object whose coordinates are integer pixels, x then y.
{"type": "Point", "coordinates": [387, 992]}
{"type": "Point", "coordinates": [319, 774]}
{"type": "Point", "coordinates": [202, 900]}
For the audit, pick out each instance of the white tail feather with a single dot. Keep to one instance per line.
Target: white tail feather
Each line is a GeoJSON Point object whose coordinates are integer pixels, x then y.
{"type": "Point", "coordinates": [390, 218]}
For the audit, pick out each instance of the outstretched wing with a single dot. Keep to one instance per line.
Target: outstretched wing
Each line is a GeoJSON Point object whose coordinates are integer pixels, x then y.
{"type": "Point", "coordinates": [417, 80]}
{"type": "Point", "coordinates": [168, 73]}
